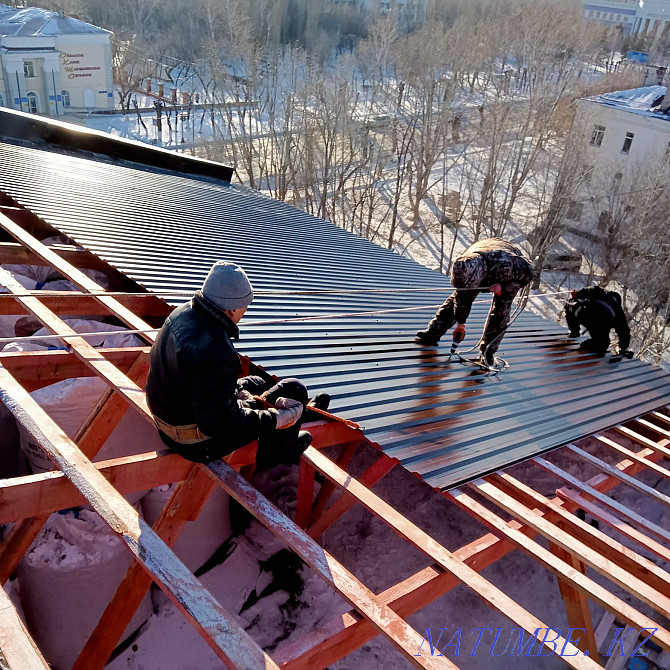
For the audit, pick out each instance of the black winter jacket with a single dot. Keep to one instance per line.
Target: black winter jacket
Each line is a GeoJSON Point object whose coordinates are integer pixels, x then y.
{"type": "Point", "coordinates": [193, 377]}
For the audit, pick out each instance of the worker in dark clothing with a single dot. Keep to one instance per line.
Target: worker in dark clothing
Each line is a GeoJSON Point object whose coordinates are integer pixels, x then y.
{"type": "Point", "coordinates": [598, 311]}
{"type": "Point", "coordinates": [200, 407]}
{"type": "Point", "coordinates": [488, 265]}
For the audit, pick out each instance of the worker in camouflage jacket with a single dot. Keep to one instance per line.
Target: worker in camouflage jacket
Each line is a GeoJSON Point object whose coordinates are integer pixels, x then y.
{"type": "Point", "coordinates": [598, 311]}
{"type": "Point", "coordinates": [202, 408]}
{"type": "Point", "coordinates": [488, 265]}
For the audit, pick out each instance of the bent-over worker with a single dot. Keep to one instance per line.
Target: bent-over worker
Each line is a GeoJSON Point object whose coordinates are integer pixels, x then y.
{"type": "Point", "coordinates": [488, 265]}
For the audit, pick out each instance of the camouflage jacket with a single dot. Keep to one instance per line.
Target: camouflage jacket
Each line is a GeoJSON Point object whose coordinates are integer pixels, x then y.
{"type": "Point", "coordinates": [487, 262]}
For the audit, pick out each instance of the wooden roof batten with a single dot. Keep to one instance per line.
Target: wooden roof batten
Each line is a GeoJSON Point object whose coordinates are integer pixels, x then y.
{"type": "Point", "coordinates": [572, 545]}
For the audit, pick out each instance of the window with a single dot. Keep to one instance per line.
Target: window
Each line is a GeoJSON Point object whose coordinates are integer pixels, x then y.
{"type": "Point", "coordinates": [28, 69]}
{"type": "Point", "coordinates": [667, 152]}
{"type": "Point", "coordinates": [33, 103]}
{"type": "Point", "coordinates": [618, 176]}
{"type": "Point", "coordinates": [597, 135]}
{"type": "Point", "coordinates": [65, 98]}
{"type": "Point", "coordinates": [587, 173]}
{"type": "Point", "coordinates": [627, 142]}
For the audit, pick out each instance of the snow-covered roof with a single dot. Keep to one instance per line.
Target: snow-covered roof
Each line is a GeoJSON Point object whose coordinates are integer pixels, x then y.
{"type": "Point", "coordinates": [37, 22]}
{"type": "Point", "coordinates": [645, 100]}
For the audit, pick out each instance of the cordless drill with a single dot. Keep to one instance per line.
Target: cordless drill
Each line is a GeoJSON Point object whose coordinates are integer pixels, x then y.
{"type": "Point", "coordinates": [457, 336]}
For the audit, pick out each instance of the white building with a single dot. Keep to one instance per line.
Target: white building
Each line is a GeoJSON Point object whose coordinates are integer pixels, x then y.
{"type": "Point", "coordinates": [649, 18]}
{"type": "Point", "coordinates": [53, 64]}
{"type": "Point", "coordinates": [623, 128]}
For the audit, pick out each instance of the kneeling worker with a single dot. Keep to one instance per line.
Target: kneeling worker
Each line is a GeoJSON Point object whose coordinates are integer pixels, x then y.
{"type": "Point", "coordinates": [598, 311]}
{"type": "Point", "coordinates": [488, 265]}
{"type": "Point", "coordinates": [201, 409]}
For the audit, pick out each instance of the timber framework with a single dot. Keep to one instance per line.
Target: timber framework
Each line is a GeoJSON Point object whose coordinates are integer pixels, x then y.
{"type": "Point", "coordinates": [517, 516]}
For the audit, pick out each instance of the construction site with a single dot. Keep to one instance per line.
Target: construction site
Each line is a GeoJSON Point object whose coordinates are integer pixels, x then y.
{"type": "Point", "coordinates": [443, 517]}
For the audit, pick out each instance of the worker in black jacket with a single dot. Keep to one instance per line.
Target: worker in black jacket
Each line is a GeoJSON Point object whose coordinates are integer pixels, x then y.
{"type": "Point", "coordinates": [201, 408]}
{"type": "Point", "coordinates": [488, 265]}
{"type": "Point", "coordinates": [598, 311]}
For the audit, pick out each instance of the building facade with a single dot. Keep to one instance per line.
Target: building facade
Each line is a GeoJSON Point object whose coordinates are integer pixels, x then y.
{"type": "Point", "coordinates": [650, 18]}
{"type": "Point", "coordinates": [53, 64]}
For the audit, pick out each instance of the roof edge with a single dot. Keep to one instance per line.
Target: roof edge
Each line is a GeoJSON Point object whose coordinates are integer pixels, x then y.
{"type": "Point", "coordinates": [49, 133]}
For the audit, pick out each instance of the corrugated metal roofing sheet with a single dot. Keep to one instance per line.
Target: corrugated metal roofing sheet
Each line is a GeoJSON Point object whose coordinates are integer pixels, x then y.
{"type": "Point", "coordinates": [447, 421]}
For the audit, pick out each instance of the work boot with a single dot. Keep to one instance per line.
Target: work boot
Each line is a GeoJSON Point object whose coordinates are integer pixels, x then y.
{"type": "Point", "coordinates": [486, 357]}
{"type": "Point", "coordinates": [428, 336]}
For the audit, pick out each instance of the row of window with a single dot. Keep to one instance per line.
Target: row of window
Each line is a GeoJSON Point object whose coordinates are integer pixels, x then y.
{"type": "Point", "coordinates": [621, 18]}
{"type": "Point", "coordinates": [34, 101]}
{"type": "Point", "coordinates": [598, 133]}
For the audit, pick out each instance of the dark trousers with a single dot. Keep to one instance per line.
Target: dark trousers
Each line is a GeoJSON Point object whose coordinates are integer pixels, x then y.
{"type": "Point", "coordinates": [597, 317]}
{"type": "Point", "coordinates": [496, 323]}
{"type": "Point", "coordinates": [281, 446]}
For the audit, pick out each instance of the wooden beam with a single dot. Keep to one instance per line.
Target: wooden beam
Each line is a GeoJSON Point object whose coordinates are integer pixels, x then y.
{"type": "Point", "coordinates": [15, 545]}
{"type": "Point", "coordinates": [639, 457]}
{"type": "Point", "coordinates": [626, 479]}
{"type": "Point", "coordinates": [653, 427]}
{"type": "Point", "coordinates": [77, 277]}
{"type": "Point", "coordinates": [661, 447]}
{"type": "Point", "coordinates": [405, 639]}
{"type": "Point", "coordinates": [428, 585]}
{"type": "Point", "coordinates": [604, 516]}
{"type": "Point", "coordinates": [18, 651]}
{"type": "Point", "coordinates": [574, 546]}
{"type": "Point", "coordinates": [379, 469]}
{"type": "Point", "coordinates": [36, 369]}
{"type": "Point", "coordinates": [567, 572]}
{"type": "Point", "coordinates": [619, 509]}
{"type": "Point", "coordinates": [12, 252]}
{"type": "Point", "coordinates": [303, 512]}
{"type": "Point", "coordinates": [493, 596]}
{"type": "Point", "coordinates": [82, 349]}
{"type": "Point", "coordinates": [555, 511]}
{"type": "Point", "coordinates": [327, 487]}
{"type": "Point", "coordinates": [219, 629]}
{"type": "Point", "coordinates": [576, 603]}
{"type": "Point", "coordinates": [184, 505]}
{"type": "Point", "coordinates": [145, 305]}
{"type": "Point", "coordinates": [47, 492]}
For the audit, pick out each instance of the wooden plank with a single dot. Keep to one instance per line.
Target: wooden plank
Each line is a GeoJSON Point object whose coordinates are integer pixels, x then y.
{"type": "Point", "coordinates": [47, 492]}
{"type": "Point", "coordinates": [639, 457]}
{"type": "Point", "coordinates": [404, 638]}
{"type": "Point", "coordinates": [183, 506]}
{"type": "Point", "coordinates": [576, 604]}
{"type": "Point", "coordinates": [15, 545]}
{"type": "Point", "coordinates": [573, 577]}
{"type": "Point", "coordinates": [621, 510]}
{"type": "Point", "coordinates": [77, 277]}
{"type": "Point", "coordinates": [145, 305]}
{"type": "Point", "coordinates": [303, 513]}
{"type": "Point", "coordinates": [12, 252]}
{"type": "Point", "coordinates": [493, 596]}
{"type": "Point", "coordinates": [574, 546]}
{"type": "Point", "coordinates": [605, 516]}
{"type": "Point", "coordinates": [82, 349]}
{"type": "Point", "coordinates": [35, 369]}
{"type": "Point", "coordinates": [554, 510]}
{"type": "Point", "coordinates": [661, 447]}
{"type": "Point", "coordinates": [653, 426]}
{"type": "Point", "coordinates": [428, 585]}
{"type": "Point", "coordinates": [631, 481]}
{"type": "Point", "coordinates": [18, 651]}
{"type": "Point", "coordinates": [220, 630]}
{"type": "Point", "coordinates": [379, 469]}
{"type": "Point", "coordinates": [327, 487]}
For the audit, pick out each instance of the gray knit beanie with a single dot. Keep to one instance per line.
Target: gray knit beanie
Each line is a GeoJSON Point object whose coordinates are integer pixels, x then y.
{"type": "Point", "coordinates": [228, 286]}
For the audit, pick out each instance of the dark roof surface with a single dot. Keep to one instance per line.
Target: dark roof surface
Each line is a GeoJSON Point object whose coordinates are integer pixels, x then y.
{"type": "Point", "coordinates": [447, 421]}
